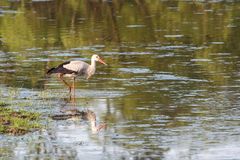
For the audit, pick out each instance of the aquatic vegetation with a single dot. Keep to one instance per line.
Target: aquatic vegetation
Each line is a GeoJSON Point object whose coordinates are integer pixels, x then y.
{"type": "Point", "coordinates": [3, 104]}
{"type": "Point", "coordinates": [18, 122]}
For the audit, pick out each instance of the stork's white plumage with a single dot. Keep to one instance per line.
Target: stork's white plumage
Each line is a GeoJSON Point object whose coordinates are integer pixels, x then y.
{"type": "Point", "coordinates": [76, 68]}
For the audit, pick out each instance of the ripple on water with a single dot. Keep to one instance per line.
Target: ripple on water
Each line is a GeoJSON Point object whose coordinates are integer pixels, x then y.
{"type": "Point", "coordinates": [221, 54]}
{"type": "Point", "coordinates": [9, 12]}
{"type": "Point", "coordinates": [217, 43]}
{"type": "Point", "coordinates": [168, 47]}
{"type": "Point", "coordinates": [168, 76]}
{"type": "Point", "coordinates": [86, 48]}
{"type": "Point", "coordinates": [135, 26]}
{"type": "Point", "coordinates": [170, 54]}
{"type": "Point", "coordinates": [127, 53]}
{"type": "Point", "coordinates": [7, 70]}
{"type": "Point", "coordinates": [200, 60]}
{"type": "Point", "coordinates": [226, 150]}
{"type": "Point", "coordinates": [66, 54]}
{"type": "Point", "coordinates": [99, 93]}
{"type": "Point", "coordinates": [135, 70]}
{"type": "Point", "coordinates": [33, 49]}
{"type": "Point", "coordinates": [174, 36]}
{"type": "Point", "coordinates": [2, 54]}
{"type": "Point", "coordinates": [160, 119]}
{"type": "Point", "coordinates": [6, 64]}
{"type": "Point", "coordinates": [40, 60]}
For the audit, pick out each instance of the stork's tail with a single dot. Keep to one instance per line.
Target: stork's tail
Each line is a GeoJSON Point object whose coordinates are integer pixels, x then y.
{"type": "Point", "coordinates": [50, 71]}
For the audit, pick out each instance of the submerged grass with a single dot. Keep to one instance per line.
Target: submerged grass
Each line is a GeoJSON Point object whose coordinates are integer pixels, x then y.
{"type": "Point", "coordinates": [18, 122]}
{"type": "Point", "coordinates": [14, 102]}
{"type": "Point", "coordinates": [3, 104]}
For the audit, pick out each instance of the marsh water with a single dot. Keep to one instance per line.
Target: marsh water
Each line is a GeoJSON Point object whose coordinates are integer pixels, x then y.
{"type": "Point", "coordinates": [170, 91]}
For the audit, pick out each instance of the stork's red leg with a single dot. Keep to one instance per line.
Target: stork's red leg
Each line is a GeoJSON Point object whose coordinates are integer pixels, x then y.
{"type": "Point", "coordinates": [73, 86]}
{"type": "Point", "coordinates": [60, 77]}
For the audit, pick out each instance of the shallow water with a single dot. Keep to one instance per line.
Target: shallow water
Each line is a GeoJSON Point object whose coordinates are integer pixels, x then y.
{"type": "Point", "coordinates": [170, 90]}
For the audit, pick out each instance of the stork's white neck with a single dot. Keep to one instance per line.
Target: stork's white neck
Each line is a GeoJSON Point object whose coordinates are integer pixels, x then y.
{"type": "Point", "coordinates": [91, 68]}
{"type": "Point", "coordinates": [93, 63]}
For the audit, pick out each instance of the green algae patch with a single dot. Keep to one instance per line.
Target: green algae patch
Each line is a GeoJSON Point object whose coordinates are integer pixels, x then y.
{"type": "Point", "coordinates": [18, 122]}
{"type": "Point", "coordinates": [3, 104]}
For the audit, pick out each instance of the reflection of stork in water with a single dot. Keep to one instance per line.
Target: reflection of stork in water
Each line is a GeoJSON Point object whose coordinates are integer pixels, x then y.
{"type": "Point", "coordinates": [73, 113]}
{"type": "Point", "coordinates": [75, 68]}
{"type": "Point", "coordinates": [90, 115]}
{"type": "Point", "coordinates": [86, 115]}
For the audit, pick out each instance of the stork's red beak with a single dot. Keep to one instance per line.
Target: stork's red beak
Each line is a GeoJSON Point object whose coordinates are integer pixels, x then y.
{"type": "Point", "coordinates": [101, 61]}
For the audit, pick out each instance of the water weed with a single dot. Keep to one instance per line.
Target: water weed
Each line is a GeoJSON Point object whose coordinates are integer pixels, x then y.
{"type": "Point", "coordinates": [18, 122]}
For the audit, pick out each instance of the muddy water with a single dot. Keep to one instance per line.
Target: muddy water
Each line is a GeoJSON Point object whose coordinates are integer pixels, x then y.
{"type": "Point", "coordinates": [170, 91]}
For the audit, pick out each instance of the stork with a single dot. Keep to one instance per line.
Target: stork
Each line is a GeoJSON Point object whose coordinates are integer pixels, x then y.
{"type": "Point", "coordinates": [73, 69]}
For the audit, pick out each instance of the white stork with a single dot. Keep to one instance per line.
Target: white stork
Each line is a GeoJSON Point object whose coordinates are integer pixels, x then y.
{"type": "Point", "coordinates": [75, 68]}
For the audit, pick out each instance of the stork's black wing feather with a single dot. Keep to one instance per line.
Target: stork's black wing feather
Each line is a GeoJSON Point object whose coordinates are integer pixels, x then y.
{"type": "Point", "coordinates": [61, 69]}
{"type": "Point", "coordinates": [50, 71]}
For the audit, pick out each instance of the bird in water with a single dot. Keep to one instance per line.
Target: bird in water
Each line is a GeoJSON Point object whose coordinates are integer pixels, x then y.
{"type": "Point", "coordinates": [73, 69]}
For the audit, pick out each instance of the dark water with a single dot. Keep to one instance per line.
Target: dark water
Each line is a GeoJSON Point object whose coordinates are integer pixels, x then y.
{"type": "Point", "coordinates": [170, 91]}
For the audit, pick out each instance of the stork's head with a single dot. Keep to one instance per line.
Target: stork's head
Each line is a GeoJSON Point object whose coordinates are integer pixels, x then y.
{"type": "Point", "coordinates": [96, 58]}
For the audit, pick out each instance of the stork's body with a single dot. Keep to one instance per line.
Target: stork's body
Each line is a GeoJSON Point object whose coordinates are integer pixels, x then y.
{"type": "Point", "coordinates": [75, 68]}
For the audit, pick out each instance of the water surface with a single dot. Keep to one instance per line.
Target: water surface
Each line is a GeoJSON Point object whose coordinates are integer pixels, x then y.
{"type": "Point", "coordinates": [170, 91]}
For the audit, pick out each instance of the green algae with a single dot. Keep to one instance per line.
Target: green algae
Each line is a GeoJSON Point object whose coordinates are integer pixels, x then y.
{"type": "Point", "coordinates": [18, 122]}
